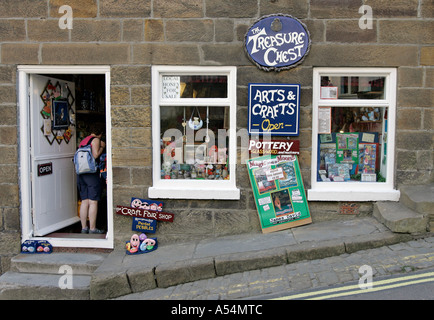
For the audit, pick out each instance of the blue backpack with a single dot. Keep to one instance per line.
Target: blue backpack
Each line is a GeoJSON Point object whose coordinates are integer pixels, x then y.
{"type": "Point", "coordinates": [84, 160]}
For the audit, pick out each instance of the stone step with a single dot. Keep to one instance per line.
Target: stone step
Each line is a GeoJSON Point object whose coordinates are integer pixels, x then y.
{"type": "Point", "coordinates": [79, 263]}
{"type": "Point", "coordinates": [32, 286]}
{"type": "Point", "coordinates": [420, 198]}
{"type": "Point", "coordinates": [399, 218]}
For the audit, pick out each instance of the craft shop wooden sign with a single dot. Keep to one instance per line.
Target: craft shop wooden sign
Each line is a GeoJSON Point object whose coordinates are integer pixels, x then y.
{"type": "Point", "coordinates": [147, 214]}
{"type": "Point", "coordinates": [277, 42]}
{"type": "Point", "coordinates": [274, 109]}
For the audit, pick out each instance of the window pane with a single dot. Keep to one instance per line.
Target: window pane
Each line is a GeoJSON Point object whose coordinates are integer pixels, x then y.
{"type": "Point", "coordinates": [336, 87]}
{"type": "Point", "coordinates": [352, 143]}
{"type": "Point", "coordinates": [174, 87]}
{"type": "Point", "coordinates": [194, 143]}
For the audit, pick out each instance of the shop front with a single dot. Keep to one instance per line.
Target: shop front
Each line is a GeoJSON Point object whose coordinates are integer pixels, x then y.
{"type": "Point", "coordinates": [342, 111]}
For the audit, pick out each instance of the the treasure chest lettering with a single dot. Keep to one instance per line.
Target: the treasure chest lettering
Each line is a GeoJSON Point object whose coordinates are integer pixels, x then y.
{"type": "Point", "coordinates": [277, 42]}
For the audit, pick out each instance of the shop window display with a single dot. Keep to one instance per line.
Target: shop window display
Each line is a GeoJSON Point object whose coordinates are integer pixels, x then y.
{"type": "Point", "coordinates": [194, 111]}
{"type": "Point", "coordinates": [353, 129]}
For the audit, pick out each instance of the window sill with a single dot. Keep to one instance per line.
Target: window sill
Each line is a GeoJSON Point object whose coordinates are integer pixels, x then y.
{"type": "Point", "coordinates": [344, 195]}
{"type": "Point", "coordinates": [194, 193]}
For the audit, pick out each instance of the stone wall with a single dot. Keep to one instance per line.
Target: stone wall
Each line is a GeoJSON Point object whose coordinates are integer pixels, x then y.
{"type": "Point", "coordinates": [131, 36]}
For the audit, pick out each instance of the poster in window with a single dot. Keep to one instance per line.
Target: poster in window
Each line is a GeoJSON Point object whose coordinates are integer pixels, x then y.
{"type": "Point", "coordinates": [279, 192]}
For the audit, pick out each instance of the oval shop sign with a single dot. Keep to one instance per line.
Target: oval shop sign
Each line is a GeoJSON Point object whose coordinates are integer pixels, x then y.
{"type": "Point", "coordinates": [277, 42]}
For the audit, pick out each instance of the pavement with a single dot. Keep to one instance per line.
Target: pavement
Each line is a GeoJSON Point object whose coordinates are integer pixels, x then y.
{"type": "Point", "coordinates": [171, 271]}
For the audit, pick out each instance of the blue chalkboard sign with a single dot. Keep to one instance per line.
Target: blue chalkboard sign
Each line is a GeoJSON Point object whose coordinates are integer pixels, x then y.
{"type": "Point", "coordinates": [277, 42]}
{"type": "Point", "coordinates": [274, 109]}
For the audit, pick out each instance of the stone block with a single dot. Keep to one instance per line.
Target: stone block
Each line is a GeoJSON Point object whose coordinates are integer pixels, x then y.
{"type": "Point", "coordinates": [224, 30]}
{"type": "Point", "coordinates": [123, 116]}
{"type": "Point", "coordinates": [361, 55]}
{"type": "Point", "coordinates": [349, 31]}
{"type": "Point", "coordinates": [410, 77]}
{"type": "Point", "coordinates": [406, 160]}
{"type": "Point", "coordinates": [107, 285]}
{"type": "Point", "coordinates": [399, 218]}
{"type": "Point", "coordinates": [155, 53]}
{"type": "Point", "coordinates": [399, 8]}
{"type": "Point", "coordinates": [154, 30]}
{"type": "Point", "coordinates": [224, 54]}
{"type": "Point", "coordinates": [12, 30]}
{"type": "Point", "coordinates": [296, 8]}
{"type": "Point", "coordinates": [178, 9]}
{"type": "Point", "coordinates": [123, 157]}
{"type": "Point", "coordinates": [231, 9]}
{"type": "Point", "coordinates": [374, 240]}
{"type": "Point", "coordinates": [8, 173]}
{"type": "Point", "coordinates": [428, 119]}
{"type": "Point", "coordinates": [171, 274]}
{"type": "Point", "coordinates": [240, 262]}
{"type": "Point", "coordinates": [409, 119]}
{"type": "Point", "coordinates": [9, 115]}
{"type": "Point", "coordinates": [8, 155]}
{"type": "Point", "coordinates": [314, 250]}
{"type": "Point", "coordinates": [427, 56]}
{"type": "Point", "coordinates": [130, 75]}
{"type": "Point", "coordinates": [8, 94]}
{"type": "Point", "coordinates": [141, 95]}
{"type": "Point", "coordinates": [141, 279]}
{"type": "Point", "coordinates": [23, 9]}
{"type": "Point", "coordinates": [125, 8]}
{"type": "Point", "coordinates": [132, 30]}
{"type": "Point", "coordinates": [19, 53]}
{"type": "Point", "coordinates": [415, 97]}
{"type": "Point", "coordinates": [330, 9]}
{"type": "Point", "coordinates": [416, 32]}
{"type": "Point", "coordinates": [120, 96]}
{"type": "Point", "coordinates": [88, 53]}
{"type": "Point", "coordinates": [96, 30]}
{"type": "Point", "coordinates": [414, 140]}
{"type": "Point", "coordinates": [190, 30]}
{"type": "Point", "coordinates": [46, 31]}
{"type": "Point", "coordinates": [9, 195]}
{"type": "Point", "coordinates": [80, 8]}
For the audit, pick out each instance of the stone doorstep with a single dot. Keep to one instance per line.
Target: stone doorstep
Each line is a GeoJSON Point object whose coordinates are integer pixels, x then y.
{"type": "Point", "coordinates": [80, 263]}
{"type": "Point", "coordinates": [399, 218]}
{"type": "Point", "coordinates": [32, 286]}
{"type": "Point", "coordinates": [106, 284]}
{"type": "Point", "coordinates": [420, 198]}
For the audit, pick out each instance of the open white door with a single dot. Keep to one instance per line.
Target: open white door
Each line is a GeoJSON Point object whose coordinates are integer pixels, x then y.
{"type": "Point", "coordinates": [54, 189]}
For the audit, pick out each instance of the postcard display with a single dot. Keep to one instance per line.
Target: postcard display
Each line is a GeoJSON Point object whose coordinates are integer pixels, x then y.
{"type": "Point", "coordinates": [279, 192]}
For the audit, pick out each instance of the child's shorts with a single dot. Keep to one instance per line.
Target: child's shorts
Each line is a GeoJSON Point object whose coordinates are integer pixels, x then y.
{"type": "Point", "coordinates": [89, 186]}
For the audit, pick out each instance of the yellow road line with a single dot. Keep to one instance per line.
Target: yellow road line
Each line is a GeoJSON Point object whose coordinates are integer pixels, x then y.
{"type": "Point", "coordinates": [346, 288]}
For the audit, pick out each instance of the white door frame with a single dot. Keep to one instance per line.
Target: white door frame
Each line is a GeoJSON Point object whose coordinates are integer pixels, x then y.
{"type": "Point", "coordinates": [24, 73]}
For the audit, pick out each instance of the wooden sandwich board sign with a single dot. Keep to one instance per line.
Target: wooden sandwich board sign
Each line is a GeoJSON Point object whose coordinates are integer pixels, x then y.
{"type": "Point", "coordinates": [279, 192]}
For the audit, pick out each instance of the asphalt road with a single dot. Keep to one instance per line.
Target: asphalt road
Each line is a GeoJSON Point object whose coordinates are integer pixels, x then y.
{"type": "Point", "coordinates": [408, 286]}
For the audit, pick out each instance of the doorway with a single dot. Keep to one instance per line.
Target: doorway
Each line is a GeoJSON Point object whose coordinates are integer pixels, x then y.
{"type": "Point", "coordinates": [57, 104]}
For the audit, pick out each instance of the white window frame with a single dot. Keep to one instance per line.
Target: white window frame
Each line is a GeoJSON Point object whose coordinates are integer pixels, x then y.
{"type": "Point", "coordinates": [355, 191]}
{"type": "Point", "coordinates": [188, 188]}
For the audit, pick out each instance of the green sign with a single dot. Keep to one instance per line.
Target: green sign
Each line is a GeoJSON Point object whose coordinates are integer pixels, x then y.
{"type": "Point", "coordinates": [279, 193]}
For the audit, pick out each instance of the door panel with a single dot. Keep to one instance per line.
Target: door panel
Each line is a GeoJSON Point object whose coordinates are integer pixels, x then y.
{"type": "Point", "coordinates": [54, 196]}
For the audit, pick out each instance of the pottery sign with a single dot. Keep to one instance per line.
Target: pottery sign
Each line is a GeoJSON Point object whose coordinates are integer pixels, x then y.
{"type": "Point", "coordinates": [277, 42]}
